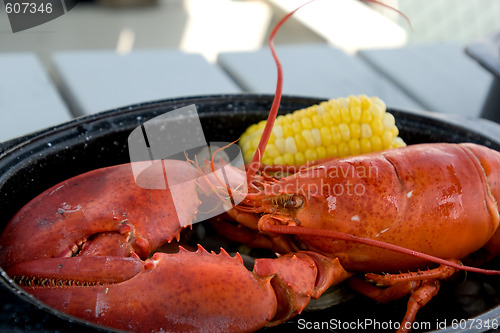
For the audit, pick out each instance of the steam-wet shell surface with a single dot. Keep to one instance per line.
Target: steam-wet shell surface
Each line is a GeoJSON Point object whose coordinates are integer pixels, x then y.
{"type": "Point", "coordinates": [429, 198]}
{"type": "Point", "coordinates": [186, 291]}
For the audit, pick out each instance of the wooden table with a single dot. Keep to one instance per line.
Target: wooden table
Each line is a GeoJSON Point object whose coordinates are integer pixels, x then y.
{"type": "Point", "coordinates": [439, 78]}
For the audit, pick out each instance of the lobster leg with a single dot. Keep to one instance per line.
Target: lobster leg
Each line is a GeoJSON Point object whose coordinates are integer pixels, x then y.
{"type": "Point", "coordinates": [421, 293]}
{"type": "Point", "coordinates": [419, 298]}
{"type": "Point", "coordinates": [423, 286]}
{"type": "Point", "coordinates": [440, 273]}
{"type": "Point", "coordinates": [383, 295]}
{"type": "Point", "coordinates": [252, 238]}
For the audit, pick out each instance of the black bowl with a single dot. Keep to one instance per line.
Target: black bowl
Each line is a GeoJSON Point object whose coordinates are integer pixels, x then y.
{"type": "Point", "coordinates": [33, 163]}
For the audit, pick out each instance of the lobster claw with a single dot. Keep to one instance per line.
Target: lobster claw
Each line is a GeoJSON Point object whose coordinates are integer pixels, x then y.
{"type": "Point", "coordinates": [298, 277]}
{"type": "Point", "coordinates": [184, 291]}
{"type": "Point", "coordinates": [101, 212]}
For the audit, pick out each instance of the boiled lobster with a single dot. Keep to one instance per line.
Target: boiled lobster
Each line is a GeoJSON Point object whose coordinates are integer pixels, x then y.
{"type": "Point", "coordinates": [87, 245]}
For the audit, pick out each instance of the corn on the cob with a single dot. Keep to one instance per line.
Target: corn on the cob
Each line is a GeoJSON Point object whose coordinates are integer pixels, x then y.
{"type": "Point", "coordinates": [335, 128]}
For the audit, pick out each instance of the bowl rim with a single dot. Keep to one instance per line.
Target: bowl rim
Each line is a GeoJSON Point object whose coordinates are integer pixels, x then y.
{"type": "Point", "coordinates": [484, 127]}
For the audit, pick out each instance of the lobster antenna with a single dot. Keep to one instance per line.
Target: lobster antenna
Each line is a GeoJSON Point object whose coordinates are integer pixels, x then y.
{"type": "Point", "coordinates": [273, 113]}
{"type": "Point", "coordinates": [229, 191]}
{"type": "Point", "coordinates": [295, 230]}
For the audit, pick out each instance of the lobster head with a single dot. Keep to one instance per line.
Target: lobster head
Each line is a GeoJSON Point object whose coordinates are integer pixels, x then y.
{"type": "Point", "coordinates": [332, 195]}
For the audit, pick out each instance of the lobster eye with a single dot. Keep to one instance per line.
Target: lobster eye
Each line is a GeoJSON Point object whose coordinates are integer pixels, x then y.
{"type": "Point", "coordinates": [294, 202]}
{"type": "Point", "coordinates": [299, 201]}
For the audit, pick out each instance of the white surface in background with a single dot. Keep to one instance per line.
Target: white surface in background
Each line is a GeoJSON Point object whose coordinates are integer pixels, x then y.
{"type": "Point", "coordinates": [347, 24]}
{"type": "Point", "coordinates": [217, 26]}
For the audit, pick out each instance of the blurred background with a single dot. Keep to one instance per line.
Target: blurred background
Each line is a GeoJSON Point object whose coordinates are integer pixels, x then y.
{"type": "Point", "coordinates": [214, 26]}
{"type": "Point", "coordinates": [329, 48]}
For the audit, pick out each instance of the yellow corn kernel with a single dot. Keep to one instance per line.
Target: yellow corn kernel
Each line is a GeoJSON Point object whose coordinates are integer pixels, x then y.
{"type": "Point", "coordinates": [280, 145]}
{"type": "Point", "coordinates": [377, 111]}
{"type": "Point", "coordinates": [272, 137]}
{"type": "Point", "coordinates": [354, 102]}
{"type": "Point", "coordinates": [310, 111]}
{"type": "Point", "coordinates": [278, 160]}
{"type": "Point", "coordinates": [394, 131]}
{"type": "Point", "coordinates": [365, 145]}
{"type": "Point", "coordinates": [326, 136]}
{"type": "Point", "coordinates": [321, 152]}
{"type": "Point", "coordinates": [316, 135]}
{"type": "Point", "coordinates": [343, 102]}
{"type": "Point", "coordinates": [343, 149]}
{"type": "Point", "coordinates": [288, 130]}
{"type": "Point", "coordinates": [290, 146]}
{"type": "Point", "coordinates": [306, 123]}
{"type": "Point", "coordinates": [376, 143]}
{"type": "Point", "coordinates": [344, 131]}
{"type": "Point", "coordinates": [311, 154]}
{"type": "Point", "coordinates": [307, 135]}
{"type": "Point", "coordinates": [332, 151]}
{"type": "Point", "coordinates": [366, 116]}
{"type": "Point", "coordinates": [246, 145]}
{"type": "Point", "coordinates": [387, 140]}
{"type": "Point", "coordinates": [300, 159]}
{"type": "Point", "coordinates": [278, 131]}
{"type": "Point", "coordinates": [336, 116]}
{"type": "Point", "coordinates": [389, 121]}
{"type": "Point", "coordinates": [317, 121]}
{"type": "Point", "coordinates": [377, 126]}
{"type": "Point", "coordinates": [254, 143]}
{"type": "Point", "coordinates": [379, 103]}
{"type": "Point", "coordinates": [338, 127]}
{"type": "Point", "coordinates": [355, 130]}
{"type": "Point", "coordinates": [398, 142]}
{"type": "Point", "coordinates": [248, 156]}
{"type": "Point", "coordinates": [267, 160]}
{"type": "Point", "coordinates": [332, 104]}
{"type": "Point", "coordinates": [272, 151]}
{"type": "Point", "coordinates": [300, 142]}
{"type": "Point", "coordinates": [288, 159]}
{"type": "Point", "coordinates": [320, 108]}
{"type": "Point", "coordinates": [250, 130]}
{"type": "Point", "coordinates": [354, 147]}
{"type": "Point", "coordinates": [297, 128]}
{"type": "Point", "coordinates": [355, 114]}
{"type": "Point", "coordinates": [366, 131]}
{"type": "Point", "coordinates": [336, 135]}
{"type": "Point", "coordinates": [365, 102]}
{"type": "Point", "coordinates": [297, 115]}
{"type": "Point", "coordinates": [328, 119]}
{"type": "Point", "coordinates": [345, 115]}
